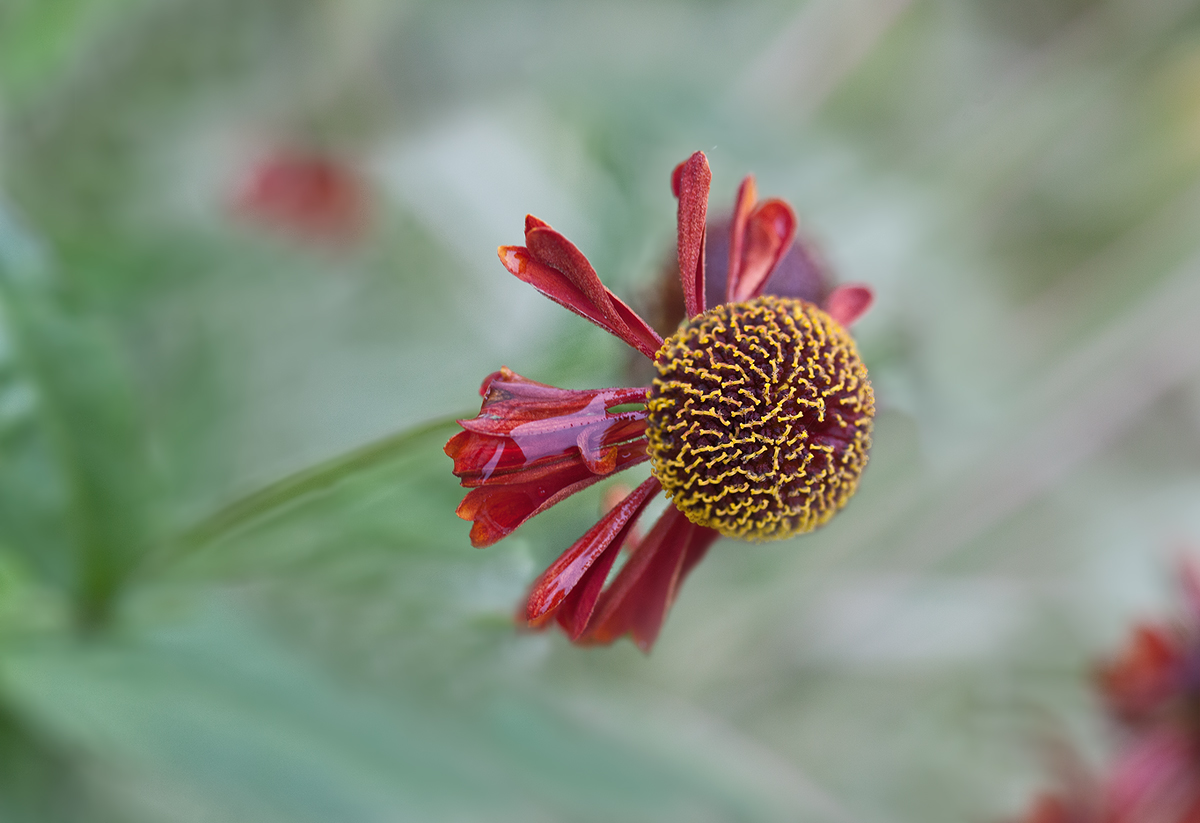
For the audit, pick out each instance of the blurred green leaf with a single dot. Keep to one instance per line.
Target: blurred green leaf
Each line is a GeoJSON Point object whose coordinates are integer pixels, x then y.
{"type": "Point", "coordinates": [97, 461]}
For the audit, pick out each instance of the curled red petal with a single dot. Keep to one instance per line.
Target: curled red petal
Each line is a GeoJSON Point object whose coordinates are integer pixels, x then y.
{"type": "Point", "coordinates": [848, 303]}
{"type": "Point", "coordinates": [769, 232]}
{"type": "Point", "coordinates": [577, 607]}
{"type": "Point", "coordinates": [497, 508]}
{"type": "Point", "coordinates": [512, 400]}
{"type": "Point", "coordinates": [556, 251]}
{"type": "Point", "coordinates": [489, 460]}
{"type": "Point", "coordinates": [558, 269]}
{"type": "Point", "coordinates": [565, 573]}
{"type": "Point", "coordinates": [690, 183]}
{"type": "Point", "coordinates": [743, 205]}
{"type": "Point", "coordinates": [533, 445]}
{"type": "Point", "coordinates": [538, 421]}
{"type": "Point", "coordinates": [638, 599]}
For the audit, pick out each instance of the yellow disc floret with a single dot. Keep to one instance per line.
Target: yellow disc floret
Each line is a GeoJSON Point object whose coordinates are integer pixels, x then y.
{"type": "Point", "coordinates": [760, 418]}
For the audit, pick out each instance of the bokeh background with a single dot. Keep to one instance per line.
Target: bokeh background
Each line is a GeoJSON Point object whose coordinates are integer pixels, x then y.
{"type": "Point", "coordinates": [248, 277]}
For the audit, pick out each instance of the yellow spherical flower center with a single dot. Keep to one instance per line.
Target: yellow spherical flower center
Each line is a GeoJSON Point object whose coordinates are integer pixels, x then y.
{"type": "Point", "coordinates": [760, 418]}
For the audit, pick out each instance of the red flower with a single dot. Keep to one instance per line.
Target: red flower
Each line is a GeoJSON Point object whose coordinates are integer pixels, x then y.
{"type": "Point", "coordinates": [1145, 677]}
{"type": "Point", "coordinates": [309, 196]}
{"type": "Point", "coordinates": [1156, 677]}
{"type": "Point", "coordinates": [1152, 688]}
{"type": "Point", "coordinates": [757, 425]}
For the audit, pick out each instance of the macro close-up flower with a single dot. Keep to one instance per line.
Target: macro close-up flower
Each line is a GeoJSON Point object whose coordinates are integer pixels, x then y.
{"type": "Point", "coordinates": [757, 425]}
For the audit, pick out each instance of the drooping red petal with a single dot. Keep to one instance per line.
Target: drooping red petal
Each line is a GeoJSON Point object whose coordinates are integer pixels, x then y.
{"type": "Point", "coordinates": [532, 445]}
{"type": "Point", "coordinates": [558, 269]}
{"type": "Point", "coordinates": [564, 575]}
{"type": "Point", "coordinates": [848, 303]}
{"type": "Point", "coordinates": [498, 508]}
{"type": "Point", "coordinates": [638, 599]}
{"type": "Point", "coordinates": [769, 232]}
{"type": "Point", "coordinates": [690, 183]}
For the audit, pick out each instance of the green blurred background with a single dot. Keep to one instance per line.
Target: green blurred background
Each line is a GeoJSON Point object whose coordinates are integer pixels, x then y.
{"type": "Point", "coordinates": [232, 587]}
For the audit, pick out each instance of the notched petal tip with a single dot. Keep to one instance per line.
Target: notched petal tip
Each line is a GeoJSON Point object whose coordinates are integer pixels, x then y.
{"type": "Point", "coordinates": [532, 223]}
{"type": "Point", "coordinates": [847, 304]}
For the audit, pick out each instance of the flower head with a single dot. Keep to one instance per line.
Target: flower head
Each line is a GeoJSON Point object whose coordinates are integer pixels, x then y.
{"type": "Point", "coordinates": [757, 425]}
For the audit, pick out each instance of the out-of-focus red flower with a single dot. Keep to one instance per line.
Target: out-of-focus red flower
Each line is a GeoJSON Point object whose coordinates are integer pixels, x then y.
{"type": "Point", "coordinates": [1156, 678]}
{"type": "Point", "coordinates": [757, 425]}
{"type": "Point", "coordinates": [310, 196]}
{"type": "Point", "coordinates": [1145, 676]}
{"type": "Point", "coordinates": [1050, 808]}
{"type": "Point", "coordinates": [1152, 688]}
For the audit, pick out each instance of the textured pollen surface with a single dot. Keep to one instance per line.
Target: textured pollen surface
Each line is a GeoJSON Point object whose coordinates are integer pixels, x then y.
{"type": "Point", "coordinates": [760, 418]}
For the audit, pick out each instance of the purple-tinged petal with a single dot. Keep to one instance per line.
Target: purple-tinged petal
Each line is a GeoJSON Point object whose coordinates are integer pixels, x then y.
{"type": "Point", "coordinates": [533, 445]}
{"type": "Point", "coordinates": [802, 273]}
{"type": "Point", "coordinates": [690, 183]}
{"type": "Point", "coordinates": [554, 584]}
{"type": "Point", "coordinates": [540, 420]}
{"type": "Point", "coordinates": [846, 304]}
{"type": "Point", "coordinates": [638, 599]}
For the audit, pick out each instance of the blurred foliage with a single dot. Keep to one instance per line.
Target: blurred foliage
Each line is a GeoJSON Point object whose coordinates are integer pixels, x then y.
{"type": "Point", "coordinates": [232, 586]}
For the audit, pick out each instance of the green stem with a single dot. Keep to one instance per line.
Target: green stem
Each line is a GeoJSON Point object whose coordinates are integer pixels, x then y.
{"type": "Point", "coordinates": [294, 488]}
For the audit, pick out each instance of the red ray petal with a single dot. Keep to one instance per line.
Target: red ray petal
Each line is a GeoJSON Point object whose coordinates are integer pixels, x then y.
{"type": "Point", "coordinates": [558, 269]}
{"type": "Point", "coordinates": [486, 460]}
{"type": "Point", "coordinates": [509, 397]}
{"type": "Point", "coordinates": [769, 232]}
{"type": "Point", "coordinates": [533, 445]}
{"type": "Point", "coordinates": [556, 251]}
{"type": "Point", "coordinates": [690, 182]}
{"type": "Point", "coordinates": [577, 607]}
{"type": "Point", "coordinates": [638, 599]}
{"type": "Point", "coordinates": [539, 421]}
{"type": "Point", "coordinates": [848, 303]}
{"type": "Point", "coordinates": [743, 204]}
{"type": "Point", "coordinates": [564, 574]}
{"type": "Point", "coordinates": [498, 509]}
{"type": "Point", "coordinates": [499, 504]}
